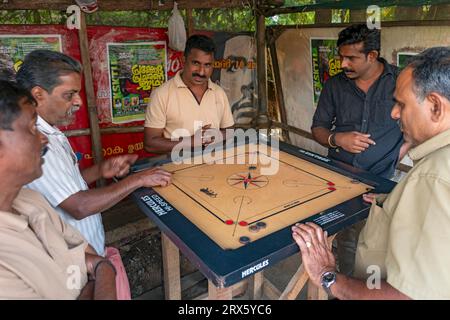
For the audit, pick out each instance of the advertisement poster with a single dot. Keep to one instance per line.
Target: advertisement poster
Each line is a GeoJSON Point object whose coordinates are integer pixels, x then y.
{"type": "Point", "coordinates": [325, 63]}
{"type": "Point", "coordinates": [403, 57]}
{"type": "Point", "coordinates": [135, 69]}
{"type": "Point", "coordinates": [14, 48]}
{"type": "Point", "coordinates": [235, 70]}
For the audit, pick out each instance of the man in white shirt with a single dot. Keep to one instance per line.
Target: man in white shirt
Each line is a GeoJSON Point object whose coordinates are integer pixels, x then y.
{"type": "Point", "coordinates": [54, 80]}
{"type": "Point", "coordinates": [41, 257]}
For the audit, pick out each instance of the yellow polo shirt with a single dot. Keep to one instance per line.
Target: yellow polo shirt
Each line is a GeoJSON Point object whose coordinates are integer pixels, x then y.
{"type": "Point", "coordinates": [173, 106]}
{"type": "Point", "coordinates": [408, 237]}
{"type": "Point", "coordinates": [41, 257]}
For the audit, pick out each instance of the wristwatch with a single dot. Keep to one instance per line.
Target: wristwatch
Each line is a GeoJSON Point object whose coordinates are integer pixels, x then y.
{"type": "Point", "coordinates": [327, 279]}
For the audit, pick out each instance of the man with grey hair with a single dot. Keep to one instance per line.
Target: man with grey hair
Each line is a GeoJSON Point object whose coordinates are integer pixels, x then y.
{"type": "Point", "coordinates": [41, 257]}
{"type": "Point", "coordinates": [403, 249]}
{"type": "Point", "coordinates": [54, 81]}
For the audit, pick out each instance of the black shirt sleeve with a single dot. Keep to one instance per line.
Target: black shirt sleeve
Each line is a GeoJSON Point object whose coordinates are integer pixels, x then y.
{"type": "Point", "coordinates": [325, 114]}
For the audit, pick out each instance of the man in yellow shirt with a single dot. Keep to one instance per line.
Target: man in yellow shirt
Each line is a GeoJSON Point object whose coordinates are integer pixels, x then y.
{"type": "Point", "coordinates": [403, 250]}
{"type": "Point", "coordinates": [41, 257]}
{"type": "Point", "coordinates": [189, 103]}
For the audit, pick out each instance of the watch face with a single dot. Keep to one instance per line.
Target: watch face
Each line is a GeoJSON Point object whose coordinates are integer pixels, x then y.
{"type": "Point", "coordinates": [329, 276]}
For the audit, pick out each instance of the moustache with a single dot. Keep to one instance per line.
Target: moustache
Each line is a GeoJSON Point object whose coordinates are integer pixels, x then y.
{"type": "Point", "coordinates": [73, 109]}
{"type": "Point", "coordinates": [197, 75]}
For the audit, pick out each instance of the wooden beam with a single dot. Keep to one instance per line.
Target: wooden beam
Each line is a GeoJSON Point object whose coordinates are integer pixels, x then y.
{"type": "Point", "coordinates": [171, 267]}
{"type": "Point", "coordinates": [358, 16]}
{"type": "Point", "coordinates": [323, 16]}
{"type": "Point", "coordinates": [255, 287]}
{"type": "Point", "coordinates": [111, 130]}
{"type": "Point", "coordinates": [89, 87]}
{"type": "Point", "coordinates": [278, 88]}
{"type": "Point", "coordinates": [120, 5]}
{"type": "Point", "coordinates": [189, 22]}
{"type": "Point", "coordinates": [261, 68]}
{"type": "Point", "coordinates": [316, 293]}
{"type": "Point", "coordinates": [295, 285]}
{"type": "Point", "coordinates": [215, 293]}
{"type": "Point", "coordinates": [300, 132]}
{"type": "Point", "coordinates": [270, 291]}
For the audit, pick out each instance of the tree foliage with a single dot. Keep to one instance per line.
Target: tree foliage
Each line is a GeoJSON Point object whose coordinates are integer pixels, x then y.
{"type": "Point", "coordinates": [229, 19]}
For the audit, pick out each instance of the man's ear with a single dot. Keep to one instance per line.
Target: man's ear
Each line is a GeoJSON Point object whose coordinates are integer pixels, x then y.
{"type": "Point", "coordinates": [437, 106]}
{"type": "Point", "coordinates": [372, 56]}
{"type": "Point", "coordinates": [38, 93]}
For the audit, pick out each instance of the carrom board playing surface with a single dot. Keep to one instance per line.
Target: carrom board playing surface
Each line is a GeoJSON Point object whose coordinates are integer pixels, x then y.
{"type": "Point", "coordinates": [234, 203]}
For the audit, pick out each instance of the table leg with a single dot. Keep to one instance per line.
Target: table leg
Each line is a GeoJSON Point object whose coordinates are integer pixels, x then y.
{"type": "Point", "coordinates": [215, 293]}
{"type": "Point", "coordinates": [171, 269]}
{"type": "Point", "coordinates": [316, 293]}
{"type": "Point", "coordinates": [295, 285]}
{"type": "Point", "coordinates": [299, 280]}
{"type": "Point", "coordinates": [255, 286]}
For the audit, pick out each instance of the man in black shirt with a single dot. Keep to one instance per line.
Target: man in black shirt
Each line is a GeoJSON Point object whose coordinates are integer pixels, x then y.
{"type": "Point", "coordinates": [353, 117]}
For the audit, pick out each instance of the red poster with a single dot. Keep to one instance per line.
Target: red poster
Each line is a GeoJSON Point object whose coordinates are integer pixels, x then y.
{"type": "Point", "coordinates": [99, 37]}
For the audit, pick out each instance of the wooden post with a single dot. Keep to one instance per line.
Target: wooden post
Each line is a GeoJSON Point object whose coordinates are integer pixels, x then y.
{"type": "Point", "coordinates": [255, 286]}
{"type": "Point", "coordinates": [261, 68]}
{"type": "Point", "coordinates": [295, 285]}
{"type": "Point", "coordinates": [358, 16]}
{"type": "Point", "coordinates": [278, 87]}
{"type": "Point", "coordinates": [171, 267]}
{"type": "Point", "coordinates": [215, 293]}
{"type": "Point", "coordinates": [97, 151]}
{"type": "Point", "coordinates": [323, 16]}
{"type": "Point", "coordinates": [316, 293]}
{"type": "Point", "coordinates": [190, 22]}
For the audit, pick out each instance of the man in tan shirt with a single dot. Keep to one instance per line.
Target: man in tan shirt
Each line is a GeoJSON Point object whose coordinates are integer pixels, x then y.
{"type": "Point", "coordinates": [188, 104]}
{"type": "Point", "coordinates": [41, 257]}
{"type": "Point", "coordinates": [403, 250]}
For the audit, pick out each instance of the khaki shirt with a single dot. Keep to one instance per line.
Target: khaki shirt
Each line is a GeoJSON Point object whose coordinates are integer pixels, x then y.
{"type": "Point", "coordinates": [408, 237]}
{"type": "Point", "coordinates": [173, 106]}
{"type": "Point", "coordinates": [41, 257]}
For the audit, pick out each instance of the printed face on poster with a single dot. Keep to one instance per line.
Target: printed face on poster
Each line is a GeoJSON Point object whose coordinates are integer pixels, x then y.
{"type": "Point", "coordinates": [135, 70]}
{"type": "Point", "coordinates": [325, 63]}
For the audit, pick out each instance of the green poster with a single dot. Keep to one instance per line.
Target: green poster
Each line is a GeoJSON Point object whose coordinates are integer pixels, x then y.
{"type": "Point", "coordinates": [14, 48]}
{"type": "Point", "coordinates": [325, 63]}
{"type": "Point", "coordinates": [135, 69]}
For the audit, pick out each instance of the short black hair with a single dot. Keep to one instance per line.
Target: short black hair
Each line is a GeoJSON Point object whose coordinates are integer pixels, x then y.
{"type": "Point", "coordinates": [10, 96]}
{"type": "Point", "coordinates": [431, 72]}
{"type": "Point", "coordinates": [43, 68]}
{"type": "Point", "coordinates": [361, 33]}
{"type": "Point", "coordinates": [200, 42]}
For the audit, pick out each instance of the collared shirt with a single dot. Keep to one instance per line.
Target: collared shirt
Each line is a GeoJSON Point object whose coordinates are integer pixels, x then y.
{"type": "Point", "coordinates": [408, 236]}
{"type": "Point", "coordinates": [62, 178]}
{"type": "Point", "coordinates": [346, 107]}
{"type": "Point", "coordinates": [173, 107]}
{"type": "Point", "coordinates": [41, 257]}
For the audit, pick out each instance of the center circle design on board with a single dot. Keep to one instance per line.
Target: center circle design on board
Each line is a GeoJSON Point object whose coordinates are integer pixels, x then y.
{"type": "Point", "coordinates": [247, 181]}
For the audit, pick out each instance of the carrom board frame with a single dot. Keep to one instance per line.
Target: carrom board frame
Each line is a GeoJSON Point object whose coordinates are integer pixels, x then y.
{"type": "Point", "coordinates": [227, 267]}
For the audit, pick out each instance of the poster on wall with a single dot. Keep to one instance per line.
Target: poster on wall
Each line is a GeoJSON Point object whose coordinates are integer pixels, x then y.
{"type": "Point", "coordinates": [135, 69]}
{"type": "Point", "coordinates": [14, 48]}
{"type": "Point", "coordinates": [235, 70]}
{"type": "Point", "coordinates": [325, 63]}
{"type": "Point", "coordinates": [403, 57]}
